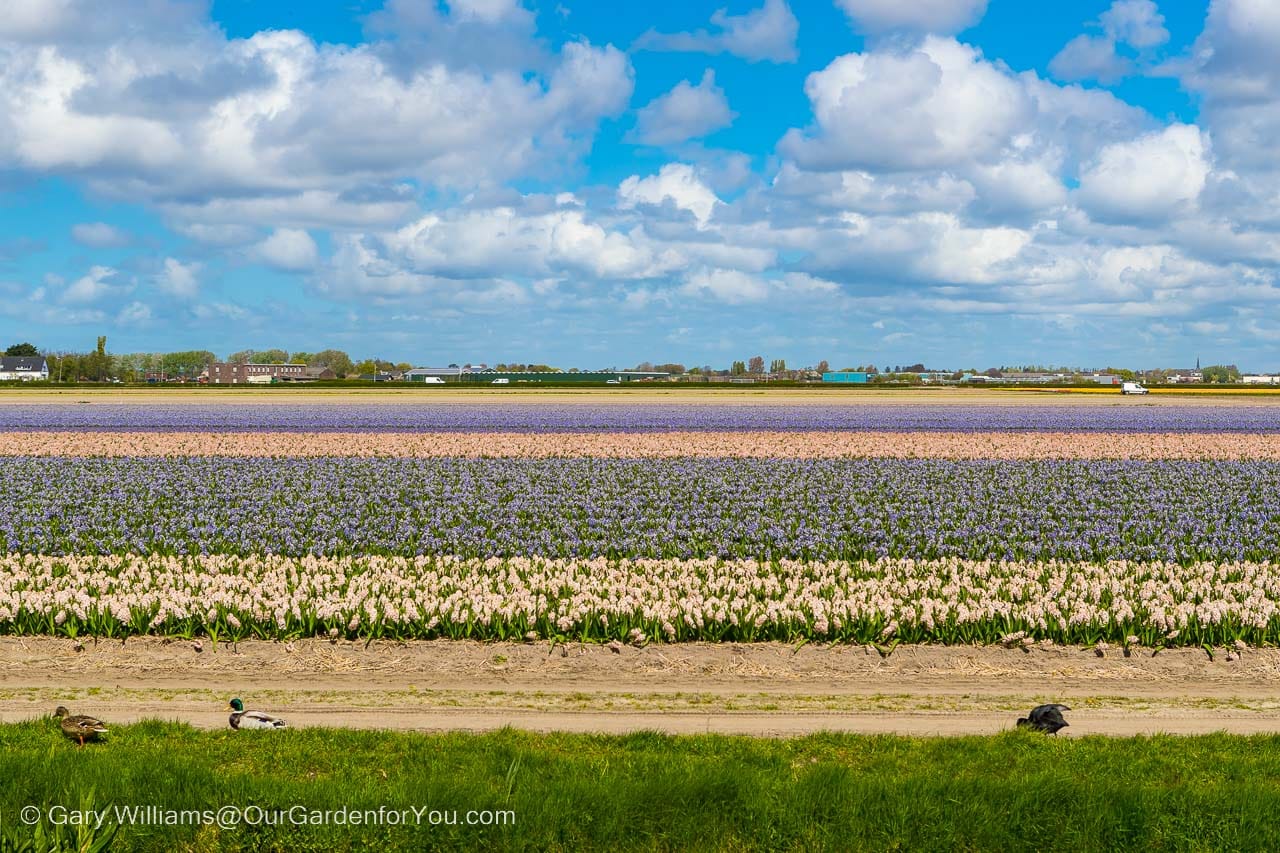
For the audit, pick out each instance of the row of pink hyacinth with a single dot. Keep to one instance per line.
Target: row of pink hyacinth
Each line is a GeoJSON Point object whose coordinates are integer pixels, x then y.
{"type": "Point", "coordinates": [891, 600]}
{"type": "Point", "coordinates": [793, 445]}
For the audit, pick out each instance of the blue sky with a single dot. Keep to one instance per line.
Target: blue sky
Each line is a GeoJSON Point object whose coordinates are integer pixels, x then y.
{"type": "Point", "coordinates": [959, 182]}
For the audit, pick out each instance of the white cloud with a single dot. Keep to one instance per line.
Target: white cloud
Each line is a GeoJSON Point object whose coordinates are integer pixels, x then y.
{"type": "Point", "coordinates": [98, 284]}
{"type": "Point", "coordinates": [686, 112]}
{"type": "Point", "coordinates": [926, 16]}
{"type": "Point", "coordinates": [289, 249]}
{"type": "Point", "coordinates": [1135, 22]}
{"type": "Point", "coordinates": [100, 235]}
{"type": "Point", "coordinates": [767, 33]}
{"type": "Point", "coordinates": [948, 107]}
{"type": "Point", "coordinates": [728, 286]}
{"type": "Point", "coordinates": [676, 183]}
{"type": "Point", "coordinates": [1089, 58]}
{"type": "Point", "coordinates": [185, 117]}
{"type": "Point", "coordinates": [1153, 177]}
{"type": "Point", "coordinates": [134, 314]}
{"type": "Point", "coordinates": [179, 279]}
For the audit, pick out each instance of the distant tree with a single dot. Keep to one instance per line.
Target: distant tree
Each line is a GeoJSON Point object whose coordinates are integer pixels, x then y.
{"type": "Point", "coordinates": [1221, 373]}
{"type": "Point", "coordinates": [738, 368]}
{"type": "Point", "coordinates": [823, 367]}
{"type": "Point", "coordinates": [778, 365]}
{"type": "Point", "coordinates": [1125, 375]}
{"type": "Point", "coordinates": [271, 356]}
{"type": "Point", "coordinates": [644, 367]}
{"type": "Point", "coordinates": [542, 368]}
{"type": "Point", "coordinates": [334, 359]}
{"type": "Point", "coordinates": [672, 368]}
{"type": "Point", "coordinates": [366, 367]}
{"type": "Point", "coordinates": [302, 357]}
{"type": "Point", "coordinates": [913, 368]}
{"type": "Point", "coordinates": [244, 356]}
{"type": "Point", "coordinates": [188, 363]}
{"type": "Point", "coordinates": [22, 349]}
{"type": "Point", "coordinates": [756, 364]}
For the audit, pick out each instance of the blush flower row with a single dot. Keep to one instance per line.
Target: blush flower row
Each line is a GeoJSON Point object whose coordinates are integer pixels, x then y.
{"type": "Point", "coordinates": [754, 444]}
{"type": "Point", "coordinates": [950, 601]}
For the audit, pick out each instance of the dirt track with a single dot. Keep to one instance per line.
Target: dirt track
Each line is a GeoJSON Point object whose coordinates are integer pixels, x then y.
{"type": "Point", "coordinates": [766, 689]}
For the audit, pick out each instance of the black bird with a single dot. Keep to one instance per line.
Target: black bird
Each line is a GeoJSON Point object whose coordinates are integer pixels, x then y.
{"type": "Point", "coordinates": [1045, 718]}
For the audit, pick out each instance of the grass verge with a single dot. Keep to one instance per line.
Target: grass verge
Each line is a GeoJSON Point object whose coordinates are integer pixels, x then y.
{"type": "Point", "coordinates": [1015, 791]}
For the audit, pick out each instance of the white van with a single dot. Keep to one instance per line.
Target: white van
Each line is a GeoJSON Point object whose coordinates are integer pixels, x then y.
{"type": "Point", "coordinates": [501, 381]}
{"type": "Point", "coordinates": [432, 380]}
{"type": "Point", "coordinates": [1132, 388]}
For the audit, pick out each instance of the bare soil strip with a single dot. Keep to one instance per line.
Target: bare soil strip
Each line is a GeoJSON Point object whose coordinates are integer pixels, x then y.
{"type": "Point", "coordinates": [757, 689]}
{"type": "Point", "coordinates": [758, 445]}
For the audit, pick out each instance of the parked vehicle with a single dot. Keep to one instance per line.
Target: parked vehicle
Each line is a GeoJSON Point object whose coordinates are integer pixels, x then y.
{"type": "Point", "coordinates": [432, 380]}
{"type": "Point", "coordinates": [501, 381]}
{"type": "Point", "coordinates": [1132, 388]}
{"type": "Point", "coordinates": [613, 382]}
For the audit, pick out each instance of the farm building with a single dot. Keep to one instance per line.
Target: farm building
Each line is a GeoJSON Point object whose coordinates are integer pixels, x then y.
{"type": "Point", "coordinates": [854, 377]}
{"type": "Point", "coordinates": [473, 375]}
{"type": "Point", "coordinates": [25, 368]}
{"type": "Point", "coordinates": [221, 373]}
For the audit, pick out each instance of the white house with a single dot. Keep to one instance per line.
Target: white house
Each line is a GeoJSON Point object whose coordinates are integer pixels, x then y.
{"type": "Point", "coordinates": [1261, 380]}
{"type": "Point", "coordinates": [23, 367]}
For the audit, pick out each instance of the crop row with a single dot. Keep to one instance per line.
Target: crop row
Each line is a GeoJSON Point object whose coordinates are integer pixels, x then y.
{"type": "Point", "coordinates": [638, 417]}
{"type": "Point", "coordinates": [832, 509]}
{"type": "Point", "coordinates": [754, 444]}
{"type": "Point", "coordinates": [947, 601]}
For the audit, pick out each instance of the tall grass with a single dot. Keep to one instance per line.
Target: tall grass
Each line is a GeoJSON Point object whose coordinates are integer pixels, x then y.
{"type": "Point", "coordinates": [1016, 791]}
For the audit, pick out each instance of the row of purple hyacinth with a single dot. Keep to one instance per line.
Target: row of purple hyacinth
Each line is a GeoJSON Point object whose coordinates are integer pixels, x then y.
{"type": "Point", "coordinates": [812, 509]}
{"type": "Point", "coordinates": [1124, 416]}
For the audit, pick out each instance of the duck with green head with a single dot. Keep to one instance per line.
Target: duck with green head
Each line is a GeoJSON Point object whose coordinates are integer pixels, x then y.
{"type": "Point", "coordinates": [242, 719]}
{"type": "Point", "coordinates": [79, 727]}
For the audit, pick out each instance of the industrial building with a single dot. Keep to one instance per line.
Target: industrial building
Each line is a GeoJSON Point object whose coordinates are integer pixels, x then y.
{"type": "Point", "coordinates": [482, 375]}
{"type": "Point", "coordinates": [853, 377]}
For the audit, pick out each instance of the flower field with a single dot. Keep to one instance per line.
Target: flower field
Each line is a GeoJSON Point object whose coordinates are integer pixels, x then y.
{"type": "Point", "coordinates": [952, 600]}
{"type": "Point", "coordinates": [608, 523]}
{"type": "Point", "coordinates": [640, 417]}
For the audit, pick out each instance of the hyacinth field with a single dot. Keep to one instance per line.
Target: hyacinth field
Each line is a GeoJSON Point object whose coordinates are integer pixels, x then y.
{"type": "Point", "coordinates": [1151, 525]}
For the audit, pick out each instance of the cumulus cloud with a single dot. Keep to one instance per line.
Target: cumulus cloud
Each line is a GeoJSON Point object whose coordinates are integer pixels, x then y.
{"type": "Point", "coordinates": [134, 314]}
{"type": "Point", "coordinates": [686, 112]}
{"type": "Point", "coordinates": [290, 249]}
{"type": "Point", "coordinates": [100, 235]}
{"type": "Point", "coordinates": [99, 283]}
{"type": "Point", "coordinates": [1137, 23]}
{"type": "Point", "coordinates": [731, 287]}
{"type": "Point", "coordinates": [767, 33]}
{"type": "Point", "coordinates": [675, 183]}
{"type": "Point", "coordinates": [179, 279]}
{"type": "Point", "coordinates": [268, 123]}
{"type": "Point", "coordinates": [948, 106]}
{"type": "Point", "coordinates": [925, 16]}
{"type": "Point", "coordinates": [1089, 58]}
{"type": "Point", "coordinates": [1153, 177]}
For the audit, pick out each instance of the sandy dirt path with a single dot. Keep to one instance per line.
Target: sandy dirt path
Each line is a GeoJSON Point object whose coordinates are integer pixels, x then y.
{"type": "Point", "coordinates": [761, 689]}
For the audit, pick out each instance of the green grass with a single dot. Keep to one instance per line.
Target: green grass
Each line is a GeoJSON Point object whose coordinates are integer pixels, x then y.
{"type": "Point", "coordinates": [1016, 791]}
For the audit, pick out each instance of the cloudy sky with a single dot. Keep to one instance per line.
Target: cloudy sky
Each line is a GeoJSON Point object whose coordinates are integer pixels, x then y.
{"type": "Point", "coordinates": [959, 182]}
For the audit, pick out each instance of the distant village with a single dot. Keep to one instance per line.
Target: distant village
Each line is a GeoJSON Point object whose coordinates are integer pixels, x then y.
{"type": "Point", "coordinates": [25, 362]}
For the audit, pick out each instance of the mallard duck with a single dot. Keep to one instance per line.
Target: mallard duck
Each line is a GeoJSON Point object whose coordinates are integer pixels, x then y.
{"type": "Point", "coordinates": [79, 727]}
{"type": "Point", "coordinates": [242, 719]}
{"type": "Point", "coordinates": [1045, 718]}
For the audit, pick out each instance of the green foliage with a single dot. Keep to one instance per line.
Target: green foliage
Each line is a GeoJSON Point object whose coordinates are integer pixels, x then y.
{"type": "Point", "coordinates": [647, 791]}
{"type": "Point", "coordinates": [22, 349]}
{"type": "Point", "coordinates": [1221, 373]}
